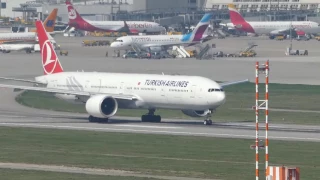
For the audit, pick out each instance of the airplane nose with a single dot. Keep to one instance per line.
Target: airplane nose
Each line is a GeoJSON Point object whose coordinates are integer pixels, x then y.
{"type": "Point", "coordinates": [222, 98]}
{"type": "Point", "coordinates": [112, 45]}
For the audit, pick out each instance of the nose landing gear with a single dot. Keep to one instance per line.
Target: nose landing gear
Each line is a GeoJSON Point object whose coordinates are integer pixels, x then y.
{"type": "Point", "coordinates": [208, 120]}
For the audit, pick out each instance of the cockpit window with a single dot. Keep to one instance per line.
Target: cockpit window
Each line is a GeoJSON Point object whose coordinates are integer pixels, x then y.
{"type": "Point", "coordinates": [118, 40]}
{"type": "Point", "coordinates": [214, 90]}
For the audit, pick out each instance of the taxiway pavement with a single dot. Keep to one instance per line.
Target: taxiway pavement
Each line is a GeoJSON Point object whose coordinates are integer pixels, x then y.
{"type": "Point", "coordinates": [295, 70]}
{"type": "Point", "coordinates": [283, 69]}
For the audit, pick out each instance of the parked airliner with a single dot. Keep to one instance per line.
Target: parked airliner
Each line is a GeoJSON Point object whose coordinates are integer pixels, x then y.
{"type": "Point", "coordinates": [164, 41]}
{"type": "Point", "coordinates": [30, 37]}
{"type": "Point", "coordinates": [7, 48]}
{"type": "Point", "coordinates": [104, 93]}
{"type": "Point", "coordinates": [270, 27]}
{"type": "Point", "coordinates": [130, 27]}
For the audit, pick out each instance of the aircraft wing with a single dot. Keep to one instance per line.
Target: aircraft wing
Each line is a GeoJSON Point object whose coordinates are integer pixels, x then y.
{"type": "Point", "coordinates": [233, 83]}
{"type": "Point", "coordinates": [280, 31]}
{"type": "Point", "coordinates": [61, 91]}
{"type": "Point", "coordinates": [19, 42]}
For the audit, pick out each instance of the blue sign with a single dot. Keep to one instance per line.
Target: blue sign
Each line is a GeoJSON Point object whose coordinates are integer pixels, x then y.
{"type": "Point", "coordinates": [166, 83]}
{"type": "Point", "coordinates": [50, 23]}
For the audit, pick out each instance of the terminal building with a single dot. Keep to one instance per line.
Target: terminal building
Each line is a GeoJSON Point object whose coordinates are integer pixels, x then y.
{"type": "Point", "coordinates": [160, 10]}
{"type": "Point", "coordinates": [264, 5]}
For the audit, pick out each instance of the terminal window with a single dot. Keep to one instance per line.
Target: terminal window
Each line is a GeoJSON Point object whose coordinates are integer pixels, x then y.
{"type": "Point", "coordinates": [3, 5]}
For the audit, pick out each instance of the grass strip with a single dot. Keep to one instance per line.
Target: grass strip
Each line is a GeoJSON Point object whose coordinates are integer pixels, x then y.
{"type": "Point", "coordinates": [165, 155]}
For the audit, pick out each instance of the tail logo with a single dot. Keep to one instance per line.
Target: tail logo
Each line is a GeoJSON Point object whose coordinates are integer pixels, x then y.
{"type": "Point", "coordinates": [49, 58]}
{"type": "Point", "coordinates": [72, 13]}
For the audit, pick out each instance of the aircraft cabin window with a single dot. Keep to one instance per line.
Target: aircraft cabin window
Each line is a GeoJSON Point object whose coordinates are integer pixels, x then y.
{"type": "Point", "coordinates": [213, 90]}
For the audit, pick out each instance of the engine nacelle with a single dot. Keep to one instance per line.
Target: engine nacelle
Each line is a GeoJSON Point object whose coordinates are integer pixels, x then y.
{"type": "Point", "coordinates": [102, 106]}
{"type": "Point", "coordinates": [193, 113]}
{"type": "Point", "coordinates": [156, 49]}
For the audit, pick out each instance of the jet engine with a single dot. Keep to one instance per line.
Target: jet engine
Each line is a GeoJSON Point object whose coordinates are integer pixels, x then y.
{"type": "Point", "coordinates": [193, 113]}
{"type": "Point", "coordinates": [156, 49]}
{"type": "Point", "coordinates": [102, 106]}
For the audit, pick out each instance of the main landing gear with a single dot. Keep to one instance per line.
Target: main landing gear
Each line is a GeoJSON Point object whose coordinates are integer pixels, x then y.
{"type": "Point", "coordinates": [96, 119]}
{"type": "Point", "coordinates": [208, 121]}
{"type": "Point", "coordinates": [150, 117]}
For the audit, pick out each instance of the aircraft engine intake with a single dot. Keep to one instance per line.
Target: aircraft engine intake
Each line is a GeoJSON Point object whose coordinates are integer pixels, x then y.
{"type": "Point", "coordinates": [102, 106]}
{"type": "Point", "coordinates": [193, 113]}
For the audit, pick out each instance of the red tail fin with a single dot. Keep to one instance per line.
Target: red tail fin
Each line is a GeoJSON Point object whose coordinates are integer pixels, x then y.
{"type": "Point", "coordinates": [50, 60]}
{"type": "Point", "coordinates": [74, 16]}
{"type": "Point", "coordinates": [235, 16]}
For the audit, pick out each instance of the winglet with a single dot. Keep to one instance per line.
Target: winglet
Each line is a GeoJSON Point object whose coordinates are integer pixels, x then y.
{"type": "Point", "coordinates": [50, 60]}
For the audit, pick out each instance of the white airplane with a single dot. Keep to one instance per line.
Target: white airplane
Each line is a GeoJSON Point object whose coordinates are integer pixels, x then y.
{"type": "Point", "coordinates": [7, 48]}
{"type": "Point", "coordinates": [130, 27]}
{"type": "Point", "coordinates": [164, 41]}
{"type": "Point", "coordinates": [21, 38]}
{"type": "Point", "coordinates": [270, 27]}
{"type": "Point", "coordinates": [30, 37]}
{"type": "Point", "coordinates": [104, 93]}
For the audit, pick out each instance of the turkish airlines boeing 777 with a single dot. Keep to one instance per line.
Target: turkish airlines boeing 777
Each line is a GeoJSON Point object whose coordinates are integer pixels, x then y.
{"type": "Point", "coordinates": [104, 93]}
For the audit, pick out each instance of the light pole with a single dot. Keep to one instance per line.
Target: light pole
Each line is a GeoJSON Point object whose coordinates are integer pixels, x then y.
{"type": "Point", "coordinates": [290, 28]}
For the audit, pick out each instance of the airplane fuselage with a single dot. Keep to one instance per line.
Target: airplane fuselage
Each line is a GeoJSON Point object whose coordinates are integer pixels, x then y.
{"type": "Point", "coordinates": [152, 91]}
{"type": "Point", "coordinates": [24, 37]}
{"type": "Point", "coordinates": [274, 27]}
{"type": "Point", "coordinates": [126, 42]}
{"type": "Point", "coordinates": [15, 47]}
{"type": "Point", "coordinates": [113, 26]}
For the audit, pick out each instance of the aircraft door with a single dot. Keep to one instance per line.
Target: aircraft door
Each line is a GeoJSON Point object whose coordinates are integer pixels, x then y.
{"type": "Point", "coordinates": [97, 85]}
{"type": "Point", "coordinates": [163, 94]}
{"type": "Point", "coordinates": [121, 88]}
{"type": "Point", "coordinates": [193, 91]}
{"type": "Point", "coordinates": [53, 83]}
{"type": "Point", "coordinates": [87, 85]}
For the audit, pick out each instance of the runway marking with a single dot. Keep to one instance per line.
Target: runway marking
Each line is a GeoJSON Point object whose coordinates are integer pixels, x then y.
{"type": "Point", "coordinates": [12, 116]}
{"type": "Point", "coordinates": [159, 127]}
{"type": "Point", "coordinates": [92, 171]}
{"type": "Point", "coordinates": [151, 131]}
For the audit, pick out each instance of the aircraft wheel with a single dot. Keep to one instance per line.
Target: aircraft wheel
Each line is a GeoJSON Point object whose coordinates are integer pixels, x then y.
{"type": "Point", "coordinates": [207, 122]}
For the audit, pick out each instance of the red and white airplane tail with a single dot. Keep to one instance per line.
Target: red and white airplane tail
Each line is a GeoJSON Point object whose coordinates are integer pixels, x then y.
{"type": "Point", "coordinates": [74, 16]}
{"type": "Point", "coordinates": [235, 16]}
{"type": "Point", "coordinates": [50, 60]}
